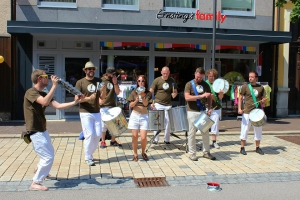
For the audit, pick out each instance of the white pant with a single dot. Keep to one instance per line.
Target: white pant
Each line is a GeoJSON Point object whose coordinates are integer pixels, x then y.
{"type": "Point", "coordinates": [192, 117]}
{"type": "Point", "coordinates": [167, 125]}
{"type": "Point", "coordinates": [215, 116]}
{"type": "Point", "coordinates": [245, 125]}
{"type": "Point", "coordinates": [103, 111]}
{"type": "Point", "coordinates": [91, 126]}
{"type": "Point", "coordinates": [43, 147]}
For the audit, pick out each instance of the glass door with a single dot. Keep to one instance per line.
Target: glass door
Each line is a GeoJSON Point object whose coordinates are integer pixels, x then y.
{"type": "Point", "coordinates": [73, 72]}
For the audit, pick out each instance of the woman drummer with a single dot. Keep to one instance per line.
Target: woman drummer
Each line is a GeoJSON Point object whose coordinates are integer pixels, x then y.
{"type": "Point", "coordinates": [138, 121]}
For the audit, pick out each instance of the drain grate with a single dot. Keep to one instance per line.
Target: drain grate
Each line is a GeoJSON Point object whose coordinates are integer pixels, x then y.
{"type": "Point", "coordinates": [151, 182]}
{"type": "Point", "coordinates": [291, 138]}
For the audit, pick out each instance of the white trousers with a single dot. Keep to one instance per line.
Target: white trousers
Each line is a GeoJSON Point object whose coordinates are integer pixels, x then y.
{"type": "Point", "coordinates": [43, 147]}
{"type": "Point", "coordinates": [91, 126]}
{"type": "Point", "coordinates": [167, 125]}
{"type": "Point", "coordinates": [102, 112]}
{"type": "Point", "coordinates": [245, 126]}
{"type": "Point", "coordinates": [215, 116]}
{"type": "Point", "coordinates": [192, 117]}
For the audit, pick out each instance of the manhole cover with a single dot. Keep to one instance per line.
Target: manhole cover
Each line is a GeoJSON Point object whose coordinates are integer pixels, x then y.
{"type": "Point", "coordinates": [151, 182]}
{"type": "Point", "coordinates": [291, 138]}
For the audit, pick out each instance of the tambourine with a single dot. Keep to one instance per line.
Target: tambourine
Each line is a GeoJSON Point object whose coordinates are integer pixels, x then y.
{"type": "Point", "coordinates": [100, 85]}
{"type": "Point", "coordinates": [140, 89]}
{"type": "Point", "coordinates": [70, 88]}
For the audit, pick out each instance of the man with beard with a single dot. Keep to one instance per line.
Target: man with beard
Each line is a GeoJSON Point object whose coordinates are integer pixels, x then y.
{"type": "Point", "coordinates": [164, 88]}
{"type": "Point", "coordinates": [112, 89]}
{"type": "Point", "coordinates": [197, 93]}
{"type": "Point", "coordinates": [212, 74]}
{"type": "Point", "coordinates": [252, 93]}
{"type": "Point", "coordinates": [35, 103]}
{"type": "Point", "coordinates": [89, 110]}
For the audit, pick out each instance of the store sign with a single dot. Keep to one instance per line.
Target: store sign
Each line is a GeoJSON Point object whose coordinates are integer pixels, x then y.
{"type": "Point", "coordinates": [190, 16]}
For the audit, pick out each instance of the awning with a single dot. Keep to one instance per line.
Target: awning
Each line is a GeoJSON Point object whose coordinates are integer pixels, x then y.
{"type": "Point", "coordinates": [146, 31]}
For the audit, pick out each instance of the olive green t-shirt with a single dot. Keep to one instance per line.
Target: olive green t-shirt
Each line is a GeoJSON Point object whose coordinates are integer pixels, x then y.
{"type": "Point", "coordinates": [163, 90]}
{"type": "Point", "coordinates": [134, 95]}
{"type": "Point", "coordinates": [259, 93]}
{"type": "Point", "coordinates": [110, 100]}
{"type": "Point", "coordinates": [201, 88]}
{"type": "Point", "coordinates": [88, 87]}
{"type": "Point", "coordinates": [214, 103]}
{"type": "Point", "coordinates": [34, 112]}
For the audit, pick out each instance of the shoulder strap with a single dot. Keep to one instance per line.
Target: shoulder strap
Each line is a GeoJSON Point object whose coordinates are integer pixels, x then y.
{"type": "Point", "coordinates": [214, 93]}
{"type": "Point", "coordinates": [199, 104]}
{"type": "Point", "coordinates": [253, 96]}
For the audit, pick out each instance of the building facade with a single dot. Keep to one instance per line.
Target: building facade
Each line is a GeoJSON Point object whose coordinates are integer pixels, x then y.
{"type": "Point", "coordinates": [140, 37]}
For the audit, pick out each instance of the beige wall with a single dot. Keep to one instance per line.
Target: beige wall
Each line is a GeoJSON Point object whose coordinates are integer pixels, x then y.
{"type": "Point", "coordinates": [4, 16]}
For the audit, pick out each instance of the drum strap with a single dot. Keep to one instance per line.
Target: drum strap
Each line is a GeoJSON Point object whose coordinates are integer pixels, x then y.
{"type": "Point", "coordinates": [253, 96]}
{"type": "Point", "coordinates": [199, 104]}
{"type": "Point", "coordinates": [214, 93]}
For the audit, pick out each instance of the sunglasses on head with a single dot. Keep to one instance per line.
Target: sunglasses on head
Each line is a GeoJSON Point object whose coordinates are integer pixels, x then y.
{"type": "Point", "coordinates": [141, 81]}
{"type": "Point", "coordinates": [44, 76]}
{"type": "Point", "coordinates": [91, 68]}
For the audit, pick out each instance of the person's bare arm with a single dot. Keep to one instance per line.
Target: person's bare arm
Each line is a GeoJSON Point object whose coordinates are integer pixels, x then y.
{"type": "Point", "coordinates": [45, 101]}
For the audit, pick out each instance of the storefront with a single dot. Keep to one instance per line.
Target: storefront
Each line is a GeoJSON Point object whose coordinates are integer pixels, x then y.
{"type": "Point", "coordinates": [63, 49]}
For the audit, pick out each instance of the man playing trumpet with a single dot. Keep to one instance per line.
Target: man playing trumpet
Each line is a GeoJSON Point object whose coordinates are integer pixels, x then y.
{"type": "Point", "coordinates": [197, 93]}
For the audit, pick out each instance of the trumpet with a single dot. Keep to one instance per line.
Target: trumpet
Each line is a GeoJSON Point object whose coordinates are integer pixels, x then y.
{"type": "Point", "coordinates": [69, 87]}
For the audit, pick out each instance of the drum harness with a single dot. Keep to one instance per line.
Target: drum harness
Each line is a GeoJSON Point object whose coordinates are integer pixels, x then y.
{"type": "Point", "coordinates": [214, 93]}
{"type": "Point", "coordinates": [253, 96]}
{"type": "Point", "coordinates": [199, 104]}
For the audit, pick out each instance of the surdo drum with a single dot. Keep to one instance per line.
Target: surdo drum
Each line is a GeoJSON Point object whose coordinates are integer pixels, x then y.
{"type": "Point", "coordinates": [156, 120]}
{"type": "Point", "coordinates": [257, 117]}
{"type": "Point", "coordinates": [178, 119]}
{"type": "Point", "coordinates": [115, 121]}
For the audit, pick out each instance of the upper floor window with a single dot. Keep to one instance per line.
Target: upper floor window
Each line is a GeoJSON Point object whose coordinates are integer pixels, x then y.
{"type": "Point", "coordinates": [180, 6]}
{"type": "Point", "coordinates": [120, 4]}
{"type": "Point", "coordinates": [57, 3]}
{"type": "Point", "coordinates": [238, 7]}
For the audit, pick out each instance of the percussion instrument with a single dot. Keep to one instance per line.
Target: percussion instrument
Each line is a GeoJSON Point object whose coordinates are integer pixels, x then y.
{"type": "Point", "coordinates": [203, 123]}
{"type": "Point", "coordinates": [156, 120]}
{"type": "Point", "coordinates": [100, 85]}
{"type": "Point", "coordinates": [178, 119]}
{"type": "Point", "coordinates": [115, 121]}
{"type": "Point", "coordinates": [69, 87]}
{"type": "Point", "coordinates": [139, 90]}
{"type": "Point", "coordinates": [257, 117]}
{"type": "Point", "coordinates": [220, 84]}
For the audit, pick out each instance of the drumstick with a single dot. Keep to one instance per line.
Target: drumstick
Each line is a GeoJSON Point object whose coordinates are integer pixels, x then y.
{"type": "Point", "coordinates": [173, 87]}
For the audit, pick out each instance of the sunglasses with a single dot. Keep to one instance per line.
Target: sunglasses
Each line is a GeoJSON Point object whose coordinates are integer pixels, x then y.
{"type": "Point", "coordinates": [44, 76]}
{"type": "Point", "coordinates": [91, 68]}
{"type": "Point", "coordinates": [141, 81]}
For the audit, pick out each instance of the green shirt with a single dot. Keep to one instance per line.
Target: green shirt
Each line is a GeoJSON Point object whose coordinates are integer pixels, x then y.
{"type": "Point", "coordinates": [88, 87]}
{"type": "Point", "coordinates": [163, 90]}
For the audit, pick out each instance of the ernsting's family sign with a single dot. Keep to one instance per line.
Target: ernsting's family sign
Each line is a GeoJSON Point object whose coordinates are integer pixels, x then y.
{"type": "Point", "coordinates": [186, 16]}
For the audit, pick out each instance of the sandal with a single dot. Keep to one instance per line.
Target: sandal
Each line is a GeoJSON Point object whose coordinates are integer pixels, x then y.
{"type": "Point", "coordinates": [135, 158]}
{"type": "Point", "coordinates": [38, 187]}
{"type": "Point", "coordinates": [145, 157]}
{"type": "Point", "coordinates": [34, 171]}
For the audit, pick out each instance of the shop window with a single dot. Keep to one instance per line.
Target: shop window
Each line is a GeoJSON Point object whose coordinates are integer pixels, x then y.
{"type": "Point", "coordinates": [171, 47]}
{"type": "Point", "coordinates": [57, 3]}
{"type": "Point", "coordinates": [131, 46]}
{"type": "Point", "coordinates": [235, 49]}
{"type": "Point", "coordinates": [120, 4]}
{"type": "Point", "coordinates": [238, 7]}
{"type": "Point", "coordinates": [180, 6]}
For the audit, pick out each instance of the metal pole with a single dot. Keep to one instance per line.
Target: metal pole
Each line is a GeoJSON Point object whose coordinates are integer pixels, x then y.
{"type": "Point", "coordinates": [214, 33]}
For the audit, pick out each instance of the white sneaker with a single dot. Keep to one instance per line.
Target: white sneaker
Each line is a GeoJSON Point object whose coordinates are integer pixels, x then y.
{"type": "Point", "coordinates": [216, 145]}
{"type": "Point", "coordinates": [193, 157]}
{"type": "Point", "coordinates": [90, 162]}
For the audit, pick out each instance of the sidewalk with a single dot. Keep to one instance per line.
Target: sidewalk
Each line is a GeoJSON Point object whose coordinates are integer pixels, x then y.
{"type": "Point", "coordinates": [114, 166]}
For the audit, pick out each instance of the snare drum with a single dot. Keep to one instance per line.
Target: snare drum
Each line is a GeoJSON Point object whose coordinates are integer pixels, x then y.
{"type": "Point", "coordinates": [203, 123]}
{"type": "Point", "coordinates": [115, 121]}
{"type": "Point", "coordinates": [257, 117]}
{"type": "Point", "coordinates": [156, 120]}
{"type": "Point", "coordinates": [178, 119]}
{"type": "Point", "coordinates": [220, 84]}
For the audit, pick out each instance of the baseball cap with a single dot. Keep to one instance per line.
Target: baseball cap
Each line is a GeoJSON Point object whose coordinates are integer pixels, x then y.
{"type": "Point", "coordinates": [110, 70]}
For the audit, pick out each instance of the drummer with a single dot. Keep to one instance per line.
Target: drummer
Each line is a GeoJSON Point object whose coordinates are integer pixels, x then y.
{"type": "Point", "coordinates": [252, 94]}
{"type": "Point", "coordinates": [211, 75]}
{"type": "Point", "coordinates": [164, 88]}
{"type": "Point", "coordinates": [138, 120]}
{"type": "Point", "coordinates": [197, 93]}
{"type": "Point", "coordinates": [112, 89]}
